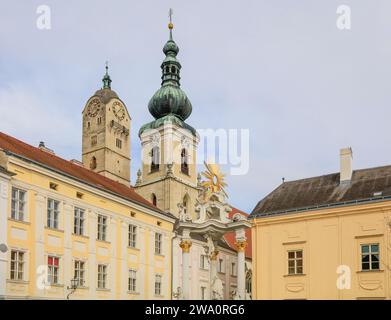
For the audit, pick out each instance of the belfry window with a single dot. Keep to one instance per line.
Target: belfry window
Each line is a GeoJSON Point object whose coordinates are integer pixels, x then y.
{"type": "Point", "coordinates": [155, 159]}
{"type": "Point", "coordinates": [184, 163]}
{"type": "Point", "coordinates": [154, 199]}
{"type": "Point", "coordinates": [93, 163]}
{"type": "Point", "coordinates": [173, 69]}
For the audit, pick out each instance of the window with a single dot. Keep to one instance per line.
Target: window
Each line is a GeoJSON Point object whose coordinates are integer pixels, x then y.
{"type": "Point", "coordinates": [248, 282]}
{"type": "Point", "coordinates": [370, 257]}
{"type": "Point", "coordinates": [17, 265]}
{"type": "Point", "coordinates": [155, 159]}
{"type": "Point", "coordinates": [53, 212]}
{"type": "Point", "coordinates": [99, 120]}
{"type": "Point", "coordinates": [79, 222]}
{"type": "Point", "coordinates": [184, 164]}
{"type": "Point", "coordinates": [118, 143]}
{"type": "Point", "coordinates": [154, 199]}
{"type": "Point", "coordinates": [93, 163]}
{"type": "Point", "coordinates": [132, 281]}
{"type": "Point", "coordinates": [203, 293]}
{"type": "Point", "coordinates": [132, 235]}
{"type": "Point", "coordinates": [221, 267]}
{"type": "Point", "coordinates": [94, 141]}
{"type": "Point", "coordinates": [102, 226]}
{"type": "Point", "coordinates": [204, 262]}
{"type": "Point", "coordinates": [18, 204]}
{"type": "Point", "coordinates": [79, 273]}
{"type": "Point", "coordinates": [102, 276]}
{"type": "Point", "coordinates": [158, 243]}
{"type": "Point", "coordinates": [295, 262]}
{"type": "Point", "coordinates": [173, 69]}
{"type": "Point", "coordinates": [53, 265]}
{"type": "Point", "coordinates": [233, 269]}
{"type": "Point", "coordinates": [158, 284]}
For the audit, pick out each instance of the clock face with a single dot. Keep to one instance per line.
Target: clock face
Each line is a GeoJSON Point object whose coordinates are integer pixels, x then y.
{"type": "Point", "coordinates": [119, 110]}
{"type": "Point", "coordinates": [94, 107]}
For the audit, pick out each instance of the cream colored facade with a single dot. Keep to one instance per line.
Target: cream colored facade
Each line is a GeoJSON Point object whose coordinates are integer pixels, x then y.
{"type": "Point", "coordinates": [37, 241]}
{"type": "Point", "coordinates": [328, 238]}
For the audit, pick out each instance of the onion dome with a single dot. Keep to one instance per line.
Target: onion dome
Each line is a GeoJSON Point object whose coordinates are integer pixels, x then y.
{"type": "Point", "coordinates": [170, 99]}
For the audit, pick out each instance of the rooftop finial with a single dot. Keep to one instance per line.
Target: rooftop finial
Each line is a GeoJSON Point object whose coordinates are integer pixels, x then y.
{"type": "Point", "coordinates": [170, 24]}
{"type": "Point", "coordinates": [106, 79]}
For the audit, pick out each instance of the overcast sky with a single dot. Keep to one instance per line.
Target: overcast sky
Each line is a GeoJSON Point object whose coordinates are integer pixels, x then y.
{"type": "Point", "coordinates": [281, 69]}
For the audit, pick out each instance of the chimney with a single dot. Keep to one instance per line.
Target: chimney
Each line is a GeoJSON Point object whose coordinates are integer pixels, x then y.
{"type": "Point", "coordinates": [346, 158]}
{"type": "Point", "coordinates": [42, 147]}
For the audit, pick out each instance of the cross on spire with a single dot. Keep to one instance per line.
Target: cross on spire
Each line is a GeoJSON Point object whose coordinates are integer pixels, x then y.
{"type": "Point", "coordinates": [170, 25]}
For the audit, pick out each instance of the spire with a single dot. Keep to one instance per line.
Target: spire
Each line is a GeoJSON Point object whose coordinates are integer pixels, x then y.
{"type": "Point", "coordinates": [171, 66]}
{"type": "Point", "coordinates": [106, 79]}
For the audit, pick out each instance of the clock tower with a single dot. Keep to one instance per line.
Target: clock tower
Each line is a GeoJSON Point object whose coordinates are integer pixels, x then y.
{"type": "Point", "coordinates": [106, 134]}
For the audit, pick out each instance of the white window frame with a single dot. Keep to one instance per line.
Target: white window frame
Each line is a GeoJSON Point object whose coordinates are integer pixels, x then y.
{"type": "Point", "coordinates": [78, 221]}
{"type": "Point", "coordinates": [102, 276]}
{"type": "Point", "coordinates": [221, 265]}
{"type": "Point", "coordinates": [79, 272]}
{"type": "Point", "coordinates": [234, 269]}
{"type": "Point", "coordinates": [295, 260]}
{"type": "Point", "coordinates": [53, 270]}
{"type": "Point", "coordinates": [204, 262]}
{"type": "Point", "coordinates": [102, 227]}
{"type": "Point", "coordinates": [158, 284]}
{"type": "Point", "coordinates": [19, 265]}
{"type": "Point", "coordinates": [158, 243]}
{"type": "Point", "coordinates": [132, 236]}
{"type": "Point", "coordinates": [132, 281]}
{"type": "Point", "coordinates": [370, 254]}
{"type": "Point", "coordinates": [53, 213]}
{"type": "Point", "coordinates": [18, 213]}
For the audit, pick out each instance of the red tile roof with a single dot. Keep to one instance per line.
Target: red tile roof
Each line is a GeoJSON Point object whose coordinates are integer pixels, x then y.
{"type": "Point", "coordinates": [230, 236]}
{"type": "Point", "coordinates": [75, 171]}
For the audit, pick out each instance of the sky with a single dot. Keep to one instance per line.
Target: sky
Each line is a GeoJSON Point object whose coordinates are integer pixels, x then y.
{"type": "Point", "coordinates": [279, 68]}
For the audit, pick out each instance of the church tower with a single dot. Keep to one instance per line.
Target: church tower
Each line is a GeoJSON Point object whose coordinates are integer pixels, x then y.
{"type": "Point", "coordinates": [168, 177]}
{"type": "Point", "coordinates": [106, 134]}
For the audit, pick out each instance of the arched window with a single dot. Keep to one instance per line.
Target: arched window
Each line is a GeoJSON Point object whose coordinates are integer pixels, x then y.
{"type": "Point", "coordinates": [185, 204]}
{"type": "Point", "coordinates": [93, 163]}
{"type": "Point", "coordinates": [184, 163]}
{"type": "Point", "coordinates": [167, 69]}
{"type": "Point", "coordinates": [248, 282]}
{"type": "Point", "coordinates": [154, 199]}
{"type": "Point", "coordinates": [155, 159]}
{"type": "Point", "coordinates": [173, 69]}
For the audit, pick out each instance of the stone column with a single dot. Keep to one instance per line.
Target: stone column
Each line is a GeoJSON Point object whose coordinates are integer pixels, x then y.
{"type": "Point", "coordinates": [241, 244]}
{"type": "Point", "coordinates": [185, 246]}
{"type": "Point", "coordinates": [213, 271]}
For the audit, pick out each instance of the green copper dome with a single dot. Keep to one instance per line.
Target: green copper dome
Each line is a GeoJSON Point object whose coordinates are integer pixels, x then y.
{"type": "Point", "coordinates": [170, 99]}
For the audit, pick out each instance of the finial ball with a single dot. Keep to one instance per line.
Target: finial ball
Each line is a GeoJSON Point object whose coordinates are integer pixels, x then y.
{"type": "Point", "coordinates": [170, 26]}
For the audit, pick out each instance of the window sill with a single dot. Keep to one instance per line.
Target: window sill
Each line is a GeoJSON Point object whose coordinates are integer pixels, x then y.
{"type": "Point", "coordinates": [204, 269]}
{"type": "Point", "coordinates": [135, 293]}
{"type": "Point", "coordinates": [103, 289]}
{"type": "Point", "coordinates": [20, 221]}
{"type": "Point", "coordinates": [295, 275]}
{"type": "Point", "coordinates": [370, 271]}
{"type": "Point", "coordinates": [57, 285]}
{"type": "Point", "coordinates": [158, 296]}
{"type": "Point", "coordinates": [103, 241]}
{"type": "Point", "coordinates": [18, 281]}
{"type": "Point", "coordinates": [80, 236]}
{"type": "Point", "coordinates": [159, 255]}
{"type": "Point", "coordinates": [133, 248]}
{"type": "Point", "coordinates": [54, 229]}
{"type": "Point", "coordinates": [221, 272]}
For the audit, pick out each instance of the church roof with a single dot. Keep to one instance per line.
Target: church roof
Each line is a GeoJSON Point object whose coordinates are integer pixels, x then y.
{"type": "Point", "coordinates": [366, 185]}
{"type": "Point", "coordinates": [77, 172]}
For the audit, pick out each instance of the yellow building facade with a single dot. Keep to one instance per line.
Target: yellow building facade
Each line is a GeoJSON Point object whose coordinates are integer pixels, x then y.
{"type": "Point", "coordinates": [326, 237]}
{"type": "Point", "coordinates": [57, 227]}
